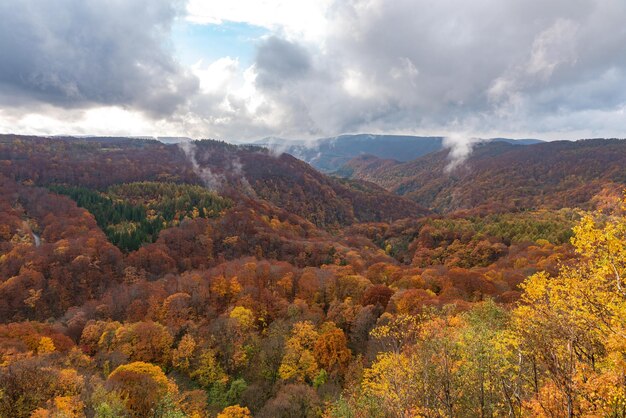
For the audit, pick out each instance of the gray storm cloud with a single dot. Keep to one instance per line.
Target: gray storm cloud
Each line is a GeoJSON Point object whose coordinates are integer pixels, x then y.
{"type": "Point", "coordinates": [422, 66]}
{"type": "Point", "coordinates": [76, 53]}
{"type": "Point", "coordinates": [278, 61]}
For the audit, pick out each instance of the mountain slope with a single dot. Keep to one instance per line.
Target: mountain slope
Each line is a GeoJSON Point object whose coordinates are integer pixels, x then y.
{"type": "Point", "coordinates": [505, 176]}
{"type": "Point", "coordinates": [298, 188]}
{"type": "Point", "coordinates": [234, 170]}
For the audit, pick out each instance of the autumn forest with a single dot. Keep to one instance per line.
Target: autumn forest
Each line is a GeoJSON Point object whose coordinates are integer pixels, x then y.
{"type": "Point", "coordinates": [205, 279]}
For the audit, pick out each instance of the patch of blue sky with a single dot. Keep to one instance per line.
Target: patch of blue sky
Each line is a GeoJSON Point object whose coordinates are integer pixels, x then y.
{"type": "Point", "coordinates": [209, 42]}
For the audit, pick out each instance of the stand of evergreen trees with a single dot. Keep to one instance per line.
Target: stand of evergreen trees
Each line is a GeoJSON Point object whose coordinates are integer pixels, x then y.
{"type": "Point", "coordinates": [134, 213]}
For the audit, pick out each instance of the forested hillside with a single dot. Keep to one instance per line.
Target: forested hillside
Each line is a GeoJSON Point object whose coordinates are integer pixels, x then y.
{"type": "Point", "coordinates": [280, 179]}
{"type": "Point", "coordinates": [139, 279]}
{"type": "Point", "coordinates": [131, 214]}
{"type": "Point", "coordinates": [506, 177]}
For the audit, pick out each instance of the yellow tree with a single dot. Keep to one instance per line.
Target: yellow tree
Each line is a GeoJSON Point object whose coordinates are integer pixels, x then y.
{"type": "Point", "coordinates": [244, 317]}
{"type": "Point", "coordinates": [299, 361]}
{"type": "Point", "coordinates": [240, 331]}
{"type": "Point", "coordinates": [574, 325]}
{"type": "Point", "coordinates": [419, 371]}
{"type": "Point", "coordinates": [209, 371]}
{"type": "Point", "coordinates": [61, 406]}
{"type": "Point", "coordinates": [46, 346]}
{"type": "Point", "coordinates": [142, 385]}
{"type": "Point", "coordinates": [235, 411]}
{"type": "Point", "coordinates": [393, 379]}
{"type": "Point", "coordinates": [395, 332]}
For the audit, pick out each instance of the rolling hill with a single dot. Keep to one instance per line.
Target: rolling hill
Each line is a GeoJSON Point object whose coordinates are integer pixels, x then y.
{"type": "Point", "coordinates": [239, 171]}
{"type": "Point", "coordinates": [504, 176]}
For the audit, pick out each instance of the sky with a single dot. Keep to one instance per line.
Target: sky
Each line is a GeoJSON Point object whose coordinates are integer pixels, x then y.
{"type": "Point", "coordinates": [241, 70]}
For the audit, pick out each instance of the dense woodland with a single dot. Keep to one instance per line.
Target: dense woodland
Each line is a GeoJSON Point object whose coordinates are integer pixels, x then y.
{"type": "Point", "coordinates": [134, 213]}
{"type": "Point", "coordinates": [139, 279]}
{"type": "Point", "coordinates": [506, 177]}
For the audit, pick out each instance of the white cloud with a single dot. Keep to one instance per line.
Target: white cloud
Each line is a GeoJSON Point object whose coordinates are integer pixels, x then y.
{"type": "Point", "coordinates": [460, 145]}
{"type": "Point", "coordinates": [218, 75]}
{"type": "Point", "coordinates": [553, 47]}
{"type": "Point", "coordinates": [358, 86]}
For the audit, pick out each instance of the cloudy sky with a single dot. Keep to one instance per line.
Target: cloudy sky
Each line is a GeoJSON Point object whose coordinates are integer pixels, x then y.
{"type": "Point", "coordinates": [246, 69]}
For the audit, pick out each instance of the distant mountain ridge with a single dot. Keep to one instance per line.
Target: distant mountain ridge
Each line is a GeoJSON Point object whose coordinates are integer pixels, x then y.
{"type": "Point", "coordinates": [330, 154]}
